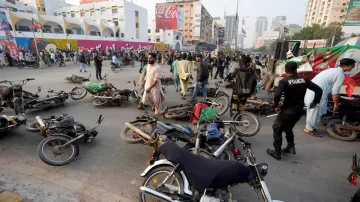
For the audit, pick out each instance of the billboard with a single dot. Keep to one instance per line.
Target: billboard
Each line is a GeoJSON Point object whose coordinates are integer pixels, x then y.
{"type": "Point", "coordinates": [197, 19]}
{"type": "Point", "coordinates": [180, 18]}
{"type": "Point", "coordinates": [4, 22]}
{"type": "Point", "coordinates": [319, 43]}
{"type": "Point", "coordinates": [352, 17]}
{"type": "Point", "coordinates": [259, 42]}
{"type": "Point", "coordinates": [270, 35]}
{"type": "Point", "coordinates": [166, 17]}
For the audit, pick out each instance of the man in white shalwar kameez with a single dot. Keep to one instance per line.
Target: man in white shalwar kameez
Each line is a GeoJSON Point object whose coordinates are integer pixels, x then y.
{"type": "Point", "coordinates": [330, 81]}
{"type": "Point", "coordinates": [153, 94]}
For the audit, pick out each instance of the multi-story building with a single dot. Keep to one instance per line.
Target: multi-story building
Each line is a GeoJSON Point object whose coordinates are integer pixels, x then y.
{"type": "Point", "coordinates": [231, 29]}
{"type": "Point", "coordinates": [107, 20]}
{"type": "Point", "coordinates": [324, 12]}
{"type": "Point", "coordinates": [293, 28]}
{"type": "Point", "coordinates": [260, 26]}
{"type": "Point", "coordinates": [278, 23]}
{"type": "Point", "coordinates": [171, 37]}
{"type": "Point", "coordinates": [198, 23]}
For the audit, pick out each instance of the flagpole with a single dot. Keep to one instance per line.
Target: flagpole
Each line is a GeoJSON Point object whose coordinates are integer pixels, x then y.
{"type": "Point", "coordinates": [37, 50]}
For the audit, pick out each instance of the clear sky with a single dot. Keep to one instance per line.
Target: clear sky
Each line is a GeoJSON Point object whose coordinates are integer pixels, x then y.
{"type": "Point", "coordinates": [294, 10]}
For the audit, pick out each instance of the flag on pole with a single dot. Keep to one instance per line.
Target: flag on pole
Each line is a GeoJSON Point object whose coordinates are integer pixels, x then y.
{"type": "Point", "coordinates": [243, 31]}
{"type": "Point", "coordinates": [286, 30]}
{"type": "Point", "coordinates": [349, 85]}
{"type": "Point", "coordinates": [36, 24]}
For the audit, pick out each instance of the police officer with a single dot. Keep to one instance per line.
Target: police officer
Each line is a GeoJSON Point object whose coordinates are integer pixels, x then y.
{"type": "Point", "coordinates": [294, 89]}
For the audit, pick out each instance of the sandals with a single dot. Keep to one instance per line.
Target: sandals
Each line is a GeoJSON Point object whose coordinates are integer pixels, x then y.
{"type": "Point", "coordinates": [312, 133]}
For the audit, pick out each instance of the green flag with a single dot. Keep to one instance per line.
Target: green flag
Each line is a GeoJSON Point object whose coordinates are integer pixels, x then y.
{"type": "Point", "coordinates": [36, 24]}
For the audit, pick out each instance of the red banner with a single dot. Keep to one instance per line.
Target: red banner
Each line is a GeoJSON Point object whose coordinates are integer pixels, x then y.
{"type": "Point", "coordinates": [166, 17]}
{"type": "Point", "coordinates": [90, 1]}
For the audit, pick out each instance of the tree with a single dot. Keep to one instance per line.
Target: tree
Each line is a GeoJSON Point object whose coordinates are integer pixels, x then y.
{"type": "Point", "coordinates": [320, 32]}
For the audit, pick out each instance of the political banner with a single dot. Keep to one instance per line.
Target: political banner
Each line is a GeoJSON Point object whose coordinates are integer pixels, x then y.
{"type": "Point", "coordinates": [4, 22]}
{"type": "Point", "coordinates": [166, 17]}
{"type": "Point", "coordinates": [180, 18]}
{"type": "Point", "coordinates": [352, 17]}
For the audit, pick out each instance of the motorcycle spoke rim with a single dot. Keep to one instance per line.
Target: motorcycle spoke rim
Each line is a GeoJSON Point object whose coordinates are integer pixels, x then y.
{"type": "Point", "coordinates": [156, 179]}
{"type": "Point", "coordinates": [340, 130]}
{"type": "Point", "coordinates": [49, 152]}
{"type": "Point", "coordinates": [248, 128]}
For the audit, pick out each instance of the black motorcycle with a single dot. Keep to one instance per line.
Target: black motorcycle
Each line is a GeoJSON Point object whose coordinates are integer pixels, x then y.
{"type": "Point", "coordinates": [29, 63]}
{"type": "Point", "coordinates": [61, 148]}
{"type": "Point", "coordinates": [10, 122]}
{"type": "Point", "coordinates": [77, 79]}
{"type": "Point", "coordinates": [116, 66]}
{"type": "Point", "coordinates": [127, 62]}
{"type": "Point", "coordinates": [47, 102]}
{"type": "Point", "coordinates": [50, 125]}
{"type": "Point", "coordinates": [8, 93]}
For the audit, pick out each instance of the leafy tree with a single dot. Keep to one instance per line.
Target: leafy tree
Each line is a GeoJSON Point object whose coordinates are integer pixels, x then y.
{"type": "Point", "coordinates": [320, 32]}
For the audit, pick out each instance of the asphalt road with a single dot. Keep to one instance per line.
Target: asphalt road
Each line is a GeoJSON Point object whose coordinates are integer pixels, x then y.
{"type": "Point", "coordinates": [109, 169]}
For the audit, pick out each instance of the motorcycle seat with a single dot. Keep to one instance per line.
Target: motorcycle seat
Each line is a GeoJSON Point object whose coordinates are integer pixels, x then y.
{"type": "Point", "coordinates": [67, 122]}
{"type": "Point", "coordinates": [204, 173]}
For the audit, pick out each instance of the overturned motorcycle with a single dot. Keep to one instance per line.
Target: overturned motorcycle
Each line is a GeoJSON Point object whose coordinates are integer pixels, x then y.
{"type": "Point", "coordinates": [61, 148]}
{"type": "Point", "coordinates": [77, 79]}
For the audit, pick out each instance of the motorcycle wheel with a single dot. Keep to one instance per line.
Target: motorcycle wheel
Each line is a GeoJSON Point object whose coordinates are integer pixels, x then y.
{"type": "Point", "coordinates": [78, 93]}
{"type": "Point", "coordinates": [33, 127]}
{"type": "Point", "coordinates": [223, 101]}
{"type": "Point", "coordinates": [341, 133]}
{"type": "Point", "coordinates": [129, 136]}
{"type": "Point", "coordinates": [201, 152]}
{"type": "Point", "coordinates": [100, 102]}
{"type": "Point", "coordinates": [20, 65]}
{"type": "Point", "coordinates": [132, 64]}
{"type": "Point", "coordinates": [112, 68]}
{"type": "Point", "coordinates": [254, 123]}
{"type": "Point", "coordinates": [36, 66]}
{"type": "Point", "coordinates": [1, 109]}
{"type": "Point", "coordinates": [155, 177]}
{"type": "Point", "coordinates": [53, 142]}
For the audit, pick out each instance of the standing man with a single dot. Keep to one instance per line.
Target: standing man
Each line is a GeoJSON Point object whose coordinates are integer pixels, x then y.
{"type": "Point", "coordinates": [82, 62]}
{"type": "Point", "coordinates": [202, 76]}
{"type": "Point", "coordinates": [330, 81]}
{"type": "Point", "coordinates": [98, 65]}
{"type": "Point", "coordinates": [220, 67]}
{"type": "Point", "coordinates": [294, 89]}
{"type": "Point", "coordinates": [184, 71]}
{"type": "Point", "coordinates": [153, 95]}
{"type": "Point", "coordinates": [174, 70]}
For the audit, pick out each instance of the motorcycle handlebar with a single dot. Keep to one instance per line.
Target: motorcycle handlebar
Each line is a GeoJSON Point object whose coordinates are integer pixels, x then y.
{"type": "Point", "coordinates": [30, 79]}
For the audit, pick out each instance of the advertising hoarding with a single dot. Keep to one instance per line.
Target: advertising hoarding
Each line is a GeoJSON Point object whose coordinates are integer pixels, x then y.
{"type": "Point", "coordinates": [166, 17]}
{"type": "Point", "coordinates": [352, 17]}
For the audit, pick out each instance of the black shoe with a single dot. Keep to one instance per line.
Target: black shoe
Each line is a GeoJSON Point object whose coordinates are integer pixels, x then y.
{"type": "Point", "coordinates": [289, 150]}
{"type": "Point", "coordinates": [274, 154]}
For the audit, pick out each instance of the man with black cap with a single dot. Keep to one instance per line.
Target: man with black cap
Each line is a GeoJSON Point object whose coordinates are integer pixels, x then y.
{"type": "Point", "coordinates": [294, 88]}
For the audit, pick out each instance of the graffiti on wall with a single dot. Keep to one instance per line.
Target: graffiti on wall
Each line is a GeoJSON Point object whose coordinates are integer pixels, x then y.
{"type": "Point", "coordinates": [8, 45]}
{"type": "Point", "coordinates": [46, 44]}
{"type": "Point", "coordinates": [161, 46]}
{"type": "Point", "coordinates": [74, 45]}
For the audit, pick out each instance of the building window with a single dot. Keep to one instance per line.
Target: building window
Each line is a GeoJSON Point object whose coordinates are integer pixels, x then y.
{"type": "Point", "coordinates": [116, 23]}
{"type": "Point", "coordinates": [55, 14]}
{"type": "Point", "coordinates": [342, 10]}
{"type": "Point", "coordinates": [43, 9]}
{"type": "Point", "coordinates": [91, 13]}
{"type": "Point", "coordinates": [64, 14]}
{"type": "Point", "coordinates": [149, 40]}
{"type": "Point", "coordinates": [122, 35]}
{"type": "Point", "coordinates": [157, 40]}
{"type": "Point", "coordinates": [157, 31]}
{"type": "Point", "coordinates": [137, 25]}
{"type": "Point", "coordinates": [114, 11]}
{"type": "Point", "coordinates": [38, 8]}
{"type": "Point", "coordinates": [136, 13]}
{"type": "Point", "coordinates": [72, 14]}
{"type": "Point", "coordinates": [149, 31]}
{"type": "Point", "coordinates": [82, 14]}
{"type": "Point", "coordinates": [344, 4]}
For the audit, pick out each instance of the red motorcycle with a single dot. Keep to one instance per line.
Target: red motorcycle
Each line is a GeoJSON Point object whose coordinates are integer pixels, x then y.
{"type": "Point", "coordinates": [353, 178]}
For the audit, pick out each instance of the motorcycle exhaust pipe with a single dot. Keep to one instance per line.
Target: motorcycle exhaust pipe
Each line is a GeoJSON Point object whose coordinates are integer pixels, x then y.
{"type": "Point", "coordinates": [254, 102]}
{"type": "Point", "coordinates": [40, 121]}
{"type": "Point", "coordinates": [138, 131]}
{"type": "Point", "coordinates": [160, 195]}
{"type": "Point", "coordinates": [103, 97]}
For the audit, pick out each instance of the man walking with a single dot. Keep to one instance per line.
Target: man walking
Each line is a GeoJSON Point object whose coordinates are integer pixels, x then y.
{"type": "Point", "coordinates": [184, 71]}
{"type": "Point", "coordinates": [174, 69]}
{"type": "Point", "coordinates": [202, 76]}
{"type": "Point", "coordinates": [153, 95]}
{"type": "Point", "coordinates": [294, 89]}
{"type": "Point", "coordinates": [330, 81]}
{"type": "Point", "coordinates": [220, 67]}
{"type": "Point", "coordinates": [82, 62]}
{"type": "Point", "coordinates": [98, 65]}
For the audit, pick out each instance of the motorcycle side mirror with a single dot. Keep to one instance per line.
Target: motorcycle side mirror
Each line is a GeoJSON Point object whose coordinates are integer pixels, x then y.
{"type": "Point", "coordinates": [39, 89]}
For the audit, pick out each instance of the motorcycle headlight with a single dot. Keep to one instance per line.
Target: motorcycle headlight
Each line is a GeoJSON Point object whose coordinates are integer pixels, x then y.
{"type": "Point", "coordinates": [263, 169]}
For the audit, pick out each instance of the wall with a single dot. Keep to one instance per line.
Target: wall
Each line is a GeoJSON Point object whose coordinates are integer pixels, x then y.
{"type": "Point", "coordinates": [73, 44]}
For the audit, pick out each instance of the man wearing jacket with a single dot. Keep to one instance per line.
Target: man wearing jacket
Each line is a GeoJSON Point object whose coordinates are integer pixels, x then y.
{"type": "Point", "coordinates": [202, 76]}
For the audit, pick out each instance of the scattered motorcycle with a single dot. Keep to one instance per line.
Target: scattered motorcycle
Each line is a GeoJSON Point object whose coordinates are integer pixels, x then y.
{"type": "Point", "coordinates": [344, 124]}
{"type": "Point", "coordinates": [47, 102]}
{"type": "Point", "coordinates": [112, 97]}
{"type": "Point", "coordinates": [92, 87]}
{"type": "Point", "coordinates": [32, 63]}
{"type": "Point", "coordinates": [60, 149]}
{"type": "Point", "coordinates": [15, 89]}
{"type": "Point", "coordinates": [11, 122]}
{"type": "Point", "coordinates": [211, 92]}
{"type": "Point", "coordinates": [178, 177]}
{"type": "Point", "coordinates": [77, 79]}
